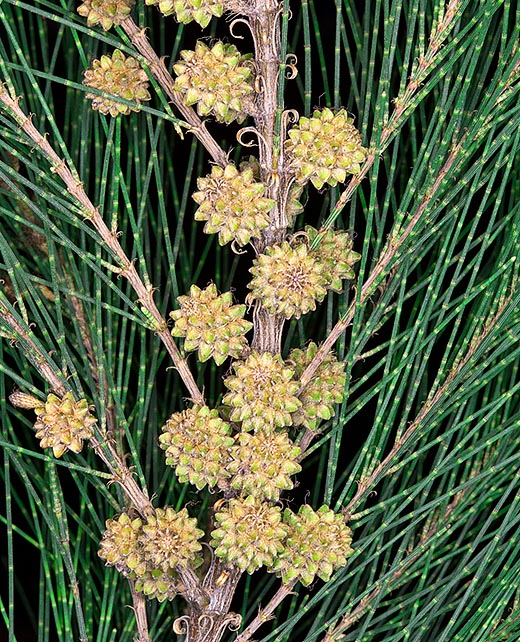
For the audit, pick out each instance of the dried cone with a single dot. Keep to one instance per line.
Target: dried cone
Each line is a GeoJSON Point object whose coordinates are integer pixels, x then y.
{"type": "Point", "coordinates": [325, 389]}
{"type": "Point", "coordinates": [170, 539]}
{"type": "Point", "coordinates": [317, 544]}
{"type": "Point", "coordinates": [218, 79]}
{"type": "Point", "coordinates": [233, 204]}
{"type": "Point", "coordinates": [120, 76]}
{"type": "Point", "coordinates": [211, 324]}
{"type": "Point", "coordinates": [335, 255]}
{"type": "Point", "coordinates": [120, 545]}
{"type": "Point", "coordinates": [324, 148]}
{"type": "Point", "coordinates": [107, 13]}
{"type": "Point", "coordinates": [187, 10]}
{"type": "Point", "coordinates": [63, 424]}
{"type": "Point", "coordinates": [156, 584]}
{"type": "Point", "coordinates": [249, 534]}
{"type": "Point", "coordinates": [197, 444]}
{"type": "Point", "coordinates": [262, 392]}
{"type": "Point", "coordinates": [287, 280]}
{"type": "Point", "coordinates": [262, 464]}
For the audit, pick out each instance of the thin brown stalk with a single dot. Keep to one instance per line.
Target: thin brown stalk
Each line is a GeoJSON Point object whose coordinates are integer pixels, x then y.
{"type": "Point", "coordinates": [265, 614]}
{"type": "Point", "coordinates": [442, 393]}
{"type": "Point", "coordinates": [164, 78]}
{"type": "Point", "coordinates": [126, 268]}
{"type": "Point", "coordinates": [381, 269]}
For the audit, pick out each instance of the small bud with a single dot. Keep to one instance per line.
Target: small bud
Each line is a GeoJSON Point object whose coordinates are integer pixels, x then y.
{"type": "Point", "coordinates": [21, 399]}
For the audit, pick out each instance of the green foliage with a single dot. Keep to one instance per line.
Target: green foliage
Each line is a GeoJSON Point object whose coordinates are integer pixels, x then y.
{"type": "Point", "coordinates": [421, 457]}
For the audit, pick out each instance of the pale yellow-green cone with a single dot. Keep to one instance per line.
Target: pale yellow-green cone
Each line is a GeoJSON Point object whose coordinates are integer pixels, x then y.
{"type": "Point", "coordinates": [120, 76]}
{"type": "Point", "coordinates": [262, 464]}
{"type": "Point", "coordinates": [197, 445]}
{"type": "Point", "coordinates": [186, 11]}
{"type": "Point", "coordinates": [334, 253]}
{"type": "Point", "coordinates": [63, 424]}
{"type": "Point", "coordinates": [325, 148]}
{"type": "Point", "coordinates": [107, 13]}
{"type": "Point", "coordinates": [169, 539]}
{"type": "Point", "coordinates": [261, 392]}
{"type": "Point", "coordinates": [249, 533]}
{"type": "Point", "coordinates": [211, 324]}
{"type": "Point", "coordinates": [287, 280]}
{"type": "Point", "coordinates": [156, 584]}
{"type": "Point", "coordinates": [318, 543]}
{"type": "Point", "coordinates": [120, 546]}
{"type": "Point", "coordinates": [326, 388]}
{"type": "Point", "coordinates": [218, 79]}
{"type": "Point", "coordinates": [233, 204]}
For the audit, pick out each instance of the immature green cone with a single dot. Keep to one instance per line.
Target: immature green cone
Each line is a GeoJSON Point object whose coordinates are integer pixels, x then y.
{"type": "Point", "coordinates": [249, 534]}
{"type": "Point", "coordinates": [187, 10]}
{"type": "Point", "coordinates": [63, 424]}
{"type": "Point", "coordinates": [156, 584]}
{"type": "Point", "coordinates": [287, 280]}
{"type": "Point", "coordinates": [317, 544]}
{"type": "Point", "coordinates": [261, 392]}
{"type": "Point", "coordinates": [120, 545]}
{"type": "Point", "coordinates": [218, 79]}
{"type": "Point", "coordinates": [169, 539]}
{"type": "Point", "coordinates": [334, 252]}
{"type": "Point", "coordinates": [326, 388]}
{"type": "Point", "coordinates": [262, 464]}
{"type": "Point", "coordinates": [120, 76]}
{"type": "Point", "coordinates": [233, 204]}
{"type": "Point", "coordinates": [107, 13]}
{"type": "Point", "coordinates": [211, 324]}
{"type": "Point", "coordinates": [197, 444]}
{"type": "Point", "coordinates": [325, 148]}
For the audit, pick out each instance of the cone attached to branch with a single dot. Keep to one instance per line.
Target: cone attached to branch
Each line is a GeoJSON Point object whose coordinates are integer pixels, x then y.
{"type": "Point", "coordinates": [325, 389]}
{"type": "Point", "coordinates": [211, 324]}
{"type": "Point", "coordinates": [261, 392]}
{"type": "Point", "coordinates": [107, 13]}
{"type": "Point", "coordinates": [249, 534]}
{"type": "Point", "coordinates": [186, 11]}
{"type": "Point", "coordinates": [325, 148]}
{"type": "Point", "coordinates": [218, 79]}
{"type": "Point", "coordinates": [63, 423]}
{"type": "Point", "coordinates": [318, 543]}
{"type": "Point", "coordinates": [262, 464]}
{"type": "Point", "coordinates": [197, 444]}
{"type": "Point", "coordinates": [287, 280]}
{"type": "Point", "coordinates": [118, 75]}
{"type": "Point", "coordinates": [233, 204]}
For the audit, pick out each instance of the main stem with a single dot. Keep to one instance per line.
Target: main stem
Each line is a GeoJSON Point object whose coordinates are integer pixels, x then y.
{"type": "Point", "coordinates": [264, 22]}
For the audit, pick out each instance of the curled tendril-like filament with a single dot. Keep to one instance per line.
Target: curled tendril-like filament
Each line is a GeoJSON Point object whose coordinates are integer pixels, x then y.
{"type": "Point", "coordinates": [181, 625]}
{"type": "Point", "coordinates": [250, 130]}
{"type": "Point", "coordinates": [237, 36]}
{"type": "Point", "coordinates": [291, 71]}
{"type": "Point", "coordinates": [289, 117]}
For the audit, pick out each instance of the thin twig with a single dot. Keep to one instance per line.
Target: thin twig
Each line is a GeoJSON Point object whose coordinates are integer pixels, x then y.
{"type": "Point", "coordinates": [442, 393]}
{"type": "Point", "coordinates": [160, 73]}
{"type": "Point", "coordinates": [126, 267]}
{"type": "Point", "coordinates": [265, 614]}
